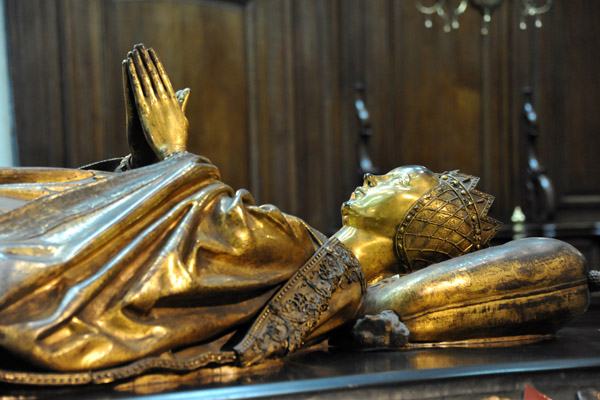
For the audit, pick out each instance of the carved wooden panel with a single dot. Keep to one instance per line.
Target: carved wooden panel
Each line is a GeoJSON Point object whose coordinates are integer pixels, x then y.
{"type": "Point", "coordinates": [568, 95]}
{"type": "Point", "coordinates": [273, 89]}
{"type": "Point", "coordinates": [202, 45]}
{"type": "Point", "coordinates": [34, 52]}
{"type": "Point", "coordinates": [436, 99]}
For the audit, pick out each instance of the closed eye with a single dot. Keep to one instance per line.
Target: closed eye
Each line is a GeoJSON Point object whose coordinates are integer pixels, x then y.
{"type": "Point", "coordinates": [403, 179]}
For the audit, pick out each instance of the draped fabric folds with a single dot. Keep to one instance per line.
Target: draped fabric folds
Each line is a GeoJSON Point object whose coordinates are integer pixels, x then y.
{"type": "Point", "coordinates": [98, 269]}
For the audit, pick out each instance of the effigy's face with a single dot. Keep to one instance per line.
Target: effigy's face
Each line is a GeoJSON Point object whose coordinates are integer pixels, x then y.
{"type": "Point", "coordinates": [381, 203]}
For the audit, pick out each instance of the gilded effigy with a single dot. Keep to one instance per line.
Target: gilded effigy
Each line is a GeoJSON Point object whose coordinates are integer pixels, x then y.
{"type": "Point", "coordinates": [160, 265]}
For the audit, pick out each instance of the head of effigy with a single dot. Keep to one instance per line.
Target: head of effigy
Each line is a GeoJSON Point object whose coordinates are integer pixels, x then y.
{"type": "Point", "coordinates": [430, 216]}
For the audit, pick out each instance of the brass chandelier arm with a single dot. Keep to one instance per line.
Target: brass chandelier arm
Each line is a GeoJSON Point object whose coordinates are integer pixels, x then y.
{"type": "Point", "coordinates": [429, 10]}
{"type": "Point", "coordinates": [532, 9]}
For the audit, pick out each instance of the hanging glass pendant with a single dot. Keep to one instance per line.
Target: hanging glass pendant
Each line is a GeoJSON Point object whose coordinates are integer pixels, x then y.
{"type": "Point", "coordinates": [486, 7]}
{"type": "Point", "coordinates": [450, 10]}
{"type": "Point", "coordinates": [534, 8]}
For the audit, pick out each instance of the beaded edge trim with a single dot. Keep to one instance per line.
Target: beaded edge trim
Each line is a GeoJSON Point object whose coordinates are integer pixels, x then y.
{"type": "Point", "coordinates": [340, 265]}
{"type": "Point", "coordinates": [294, 312]}
{"type": "Point", "coordinates": [113, 374]}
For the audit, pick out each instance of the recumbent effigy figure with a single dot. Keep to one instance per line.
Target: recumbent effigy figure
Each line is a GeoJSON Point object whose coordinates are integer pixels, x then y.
{"type": "Point", "coordinates": [160, 265]}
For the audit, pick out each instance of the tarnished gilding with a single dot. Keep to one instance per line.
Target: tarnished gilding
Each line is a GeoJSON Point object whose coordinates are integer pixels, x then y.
{"type": "Point", "coordinates": [528, 286]}
{"type": "Point", "coordinates": [163, 266]}
{"type": "Point", "coordinates": [126, 265]}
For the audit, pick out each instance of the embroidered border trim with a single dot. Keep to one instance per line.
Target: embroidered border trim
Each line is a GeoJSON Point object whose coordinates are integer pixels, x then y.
{"type": "Point", "coordinates": [280, 328]}
{"type": "Point", "coordinates": [295, 310]}
{"type": "Point", "coordinates": [113, 374]}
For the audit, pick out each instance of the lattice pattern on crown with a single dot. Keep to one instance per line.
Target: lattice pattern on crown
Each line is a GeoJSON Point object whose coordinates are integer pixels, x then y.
{"type": "Point", "coordinates": [448, 221]}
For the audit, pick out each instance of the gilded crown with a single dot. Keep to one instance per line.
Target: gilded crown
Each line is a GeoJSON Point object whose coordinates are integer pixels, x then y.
{"type": "Point", "coordinates": [448, 221]}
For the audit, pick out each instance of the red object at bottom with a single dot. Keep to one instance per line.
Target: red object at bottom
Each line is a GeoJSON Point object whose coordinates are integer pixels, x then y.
{"type": "Point", "coordinates": [532, 394]}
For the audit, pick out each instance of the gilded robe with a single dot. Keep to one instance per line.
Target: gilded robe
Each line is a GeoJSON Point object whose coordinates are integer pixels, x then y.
{"type": "Point", "coordinates": [99, 269]}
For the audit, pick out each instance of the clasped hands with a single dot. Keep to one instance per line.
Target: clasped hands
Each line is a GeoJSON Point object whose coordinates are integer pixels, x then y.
{"type": "Point", "coordinates": [156, 122]}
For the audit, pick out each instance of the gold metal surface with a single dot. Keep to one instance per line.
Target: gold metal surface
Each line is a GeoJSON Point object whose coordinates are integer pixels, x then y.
{"type": "Point", "coordinates": [528, 286]}
{"type": "Point", "coordinates": [486, 342]}
{"type": "Point", "coordinates": [374, 211]}
{"type": "Point", "coordinates": [411, 217]}
{"type": "Point", "coordinates": [156, 123]}
{"type": "Point", "coordinates": [133, 264]}
{"type": "Point", "coordinates": [157, 267]}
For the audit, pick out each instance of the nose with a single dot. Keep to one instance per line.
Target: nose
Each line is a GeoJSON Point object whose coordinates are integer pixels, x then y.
{"type": "Point", "coordinates": [369, 179]}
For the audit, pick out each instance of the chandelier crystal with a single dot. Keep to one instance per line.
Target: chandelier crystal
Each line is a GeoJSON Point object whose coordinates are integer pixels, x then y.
{"type": "Point", "coordinates": [450, 10]}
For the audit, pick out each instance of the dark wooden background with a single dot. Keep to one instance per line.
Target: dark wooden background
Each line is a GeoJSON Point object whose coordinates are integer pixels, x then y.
{"type": "Point", "coordinates": [273, 89]}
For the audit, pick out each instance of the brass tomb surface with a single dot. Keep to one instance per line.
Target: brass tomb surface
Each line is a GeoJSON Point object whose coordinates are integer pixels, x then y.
{"type": "Point", "coordinates": [159, 265]}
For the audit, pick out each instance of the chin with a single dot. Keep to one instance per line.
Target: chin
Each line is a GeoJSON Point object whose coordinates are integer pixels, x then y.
{"type": "Point", "coordinates": [346, 213]}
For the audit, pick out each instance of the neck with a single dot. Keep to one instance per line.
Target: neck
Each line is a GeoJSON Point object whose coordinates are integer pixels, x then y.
{"type": "Point", "coordinates": [374, 253]}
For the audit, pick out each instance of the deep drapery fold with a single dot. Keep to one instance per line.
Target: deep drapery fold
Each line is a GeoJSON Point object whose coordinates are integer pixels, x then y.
{"type": "Point", "coordinates": [98, 269]}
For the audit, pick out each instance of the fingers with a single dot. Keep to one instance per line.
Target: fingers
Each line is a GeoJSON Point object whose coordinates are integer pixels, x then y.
{"type": "Point", "coordinates": [161, 71]}
{"type": "Point", "coordinates": [142, 74]}
{"type": "Point", "coordinates": [125, 74]}
{"type": "Point", "coordinates": [127, 92]}
{"type": "Point", "coordinates": [150, 72]}
{"type": "Point", "coordinates": [136, 86]}
{"type": "Point", "coordinates": [149, 64]}
{"type": "Point", "coordinates": [183, 96]}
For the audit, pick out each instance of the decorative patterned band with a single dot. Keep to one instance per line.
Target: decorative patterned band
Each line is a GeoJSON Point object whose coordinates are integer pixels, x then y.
{"type": "Point", "coordinates": [280, 328]}
{"type": "Point", "coordinates": [448, 221]}
{"type": "Point", "coordinates": [294, 312]}
{"type": "Point", "coordinates": [113, 374]}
